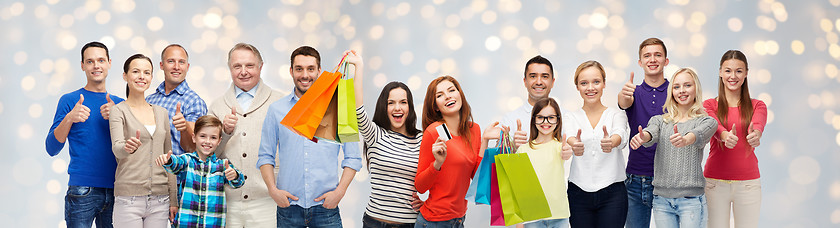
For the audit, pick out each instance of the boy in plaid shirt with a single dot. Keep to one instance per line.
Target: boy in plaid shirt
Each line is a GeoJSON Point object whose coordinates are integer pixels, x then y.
{"type": "Point", "coordinates": [203, 200]}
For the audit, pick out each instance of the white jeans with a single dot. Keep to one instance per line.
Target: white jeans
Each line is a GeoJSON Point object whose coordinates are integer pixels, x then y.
{"type": "Point", "coordinates": [251, 213]}
{"type": "Point", "coordinates": [141, 211]}
{"type": "Point", "coordinates": [743, 198]}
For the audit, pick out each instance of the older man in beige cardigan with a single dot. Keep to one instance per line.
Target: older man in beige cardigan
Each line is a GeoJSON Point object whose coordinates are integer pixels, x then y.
{"type": "Point", "coordinates": [242, 109]}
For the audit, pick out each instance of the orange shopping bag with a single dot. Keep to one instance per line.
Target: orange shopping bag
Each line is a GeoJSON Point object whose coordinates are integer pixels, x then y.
{"type": "Point", "coordinates": [306, 115]}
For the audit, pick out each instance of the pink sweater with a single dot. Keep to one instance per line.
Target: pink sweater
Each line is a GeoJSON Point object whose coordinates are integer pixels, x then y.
{"type": "Point", "coordinates": [740, 162]}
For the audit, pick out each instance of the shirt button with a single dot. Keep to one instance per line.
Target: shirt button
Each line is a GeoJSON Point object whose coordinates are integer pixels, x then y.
{"type": "Point", "coordinates": [245, 176]}
{"type": "Point", "coordinates": [654, 95]}
{"type": "Point", "coordinates": [244, 115]}
{"type": "Point", "coordinates": [243, 133]}
{"type": "Point", "coordinates": [244, 155]}
{"type": "Point", "coordinates": [245, 197]}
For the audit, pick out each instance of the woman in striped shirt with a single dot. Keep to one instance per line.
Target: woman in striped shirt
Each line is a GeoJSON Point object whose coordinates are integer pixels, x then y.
{"type": "Point", "coordinates": [392, 148]}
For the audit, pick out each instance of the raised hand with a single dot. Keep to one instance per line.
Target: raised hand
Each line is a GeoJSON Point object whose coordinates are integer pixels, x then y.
{"type": "Point", "coordinates": [132, 143]}
{"type": "Point", "coordinates": [753, 136]}
{"type": "Point", "coordinates": [105, 109]}
{"type": "Point", "coordinates": [577, 145]}
{"type": "Point", "coordinates": [639, 139]}
{"type": "Point", "coordinates": [730, 139]}
{"type": "Point", "coordinates": [230, 173]}
{"type": "Point", "coordinates": [439, 151]}
{"type": "Point", "coordinates": [606, 142]}
{"type": "Point", "coordinates": [565, 149]}
{"type": "Point", "coordinates": [520, 137]}
{"type": "Point", "coordinates": [492, 131]}
{"type": "Point", "coordinates": [353, 58]}
{"type": "Point", "coordinates": [677, 139]}
{"type": "Point", "coordinates": [230, 120]}
{"type": "Point", "coordinates": [625, 97]}
{"type": "Point", "coordinates": [80, 112]}
{"type": "Point", "coordinates": [281, 197]}
{"type": "Point", "coordinates": [178, 119]}
{"type": "Point", "coordinates": [164, 159]}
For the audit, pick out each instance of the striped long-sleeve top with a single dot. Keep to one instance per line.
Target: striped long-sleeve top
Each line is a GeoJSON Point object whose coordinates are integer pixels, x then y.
{"type": "Point", "coordinates": [393, 161]}
{"type": "Point", "coordinates": [203, 199]}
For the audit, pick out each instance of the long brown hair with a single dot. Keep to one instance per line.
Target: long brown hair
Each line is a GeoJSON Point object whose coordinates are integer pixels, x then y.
{"type": "Point", "coordinates": [431, 114]}
{"type": "Point", "coordinates": [538, 106]}
{"type": "Point", "coordinates": [745, 106]}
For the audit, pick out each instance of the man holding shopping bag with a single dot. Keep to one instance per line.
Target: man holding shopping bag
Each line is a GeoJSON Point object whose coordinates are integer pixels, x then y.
{"type": "Point", "coordinates": [305, 188]}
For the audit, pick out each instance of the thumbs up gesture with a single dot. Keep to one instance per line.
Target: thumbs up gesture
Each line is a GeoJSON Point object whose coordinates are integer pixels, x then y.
{"type": "Point", "coordinates": [606, 142]}
{"type": "Point", "coordinates": [80, 112]}
{"type": "Point", "coordinates": [628, 89]}
{"type": "Point", "coordinates": [105, 109]}
{"type": "Point", "coordinates": [577, 145]}
{"type": "Point", "coordinates": [178, 119]}
{"type": "Point", "coordinates": [230, 173]}
{"type": "Point", "coordinates": [753, 136]}
{"type": "Point", "coordinates": [230, 121]}
{"type": "Point", "coordinates": [164, 159]}
{"type": "Point", "coordinates": [132, 143]}
{"type": "Point", "coordinates": [520, 137]}
{"type": "Point", "coordinates": [639, 139]}
{"type": "Point", "coordinates": [677, 139]}
{"type": "Point", "coordinates": [565, 149]}
{"type": "Point", "coordinates": [730, 139]}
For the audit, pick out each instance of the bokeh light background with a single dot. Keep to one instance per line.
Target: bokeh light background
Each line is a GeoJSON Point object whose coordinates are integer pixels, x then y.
{"type": "Point", "coordinates": [792, 47]}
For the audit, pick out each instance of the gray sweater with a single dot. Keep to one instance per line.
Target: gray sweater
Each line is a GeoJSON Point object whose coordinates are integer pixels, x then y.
{"type": "Point", "coordinates": [677, 171]}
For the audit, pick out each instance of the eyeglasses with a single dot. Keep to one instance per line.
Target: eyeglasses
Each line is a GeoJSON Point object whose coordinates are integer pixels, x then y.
{"type": "Point", "coordinates": [552, 119]}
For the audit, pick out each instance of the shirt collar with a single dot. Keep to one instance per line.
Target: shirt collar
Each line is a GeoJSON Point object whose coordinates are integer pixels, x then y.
{"type": "Point", "coordinates": [252, 92]}
{"type": "Point", "coordinates": [293, 96]}
{"type": "Point", "coordinates": [661, 88]}
{"type": "Point", "coordinates": [181, 89]}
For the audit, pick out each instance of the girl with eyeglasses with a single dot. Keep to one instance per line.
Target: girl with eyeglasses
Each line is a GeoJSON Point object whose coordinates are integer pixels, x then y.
{"type": "Point", "coordinates": [548, 153]}
{"type": "Point", "coordinates": [597, 194]}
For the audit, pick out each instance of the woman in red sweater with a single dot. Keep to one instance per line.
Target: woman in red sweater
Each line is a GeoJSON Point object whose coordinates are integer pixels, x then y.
{"type": "Point", "coordinates": [732, 177]}
{"type": "Point", "coordinates": [446, 167]}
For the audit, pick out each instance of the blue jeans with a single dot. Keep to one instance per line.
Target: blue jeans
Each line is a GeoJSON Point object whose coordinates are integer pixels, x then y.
{"type": "Point", "coordinates": [684, 212]}
{"type": "Point", "coordinates": [639, 200]}
{"type": "Point", "coordinates": [83, 205]}
{"type": "Point", "coordinates": [604, 208]}
{"type": "Point", "coordinates": [452, 223]}
{"type": "Point", "coordinates": [370, 222]}
{"type": "Point", "coordinates": [549, 223]}
{"type": "Point", "coordinates": [315, 216]}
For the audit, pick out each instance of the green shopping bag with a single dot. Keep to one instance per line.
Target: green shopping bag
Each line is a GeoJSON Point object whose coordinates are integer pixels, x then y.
{"type": "Point", "coordinates": [519, 189]}
{"type": "Point", "coordinates": [348, 127]}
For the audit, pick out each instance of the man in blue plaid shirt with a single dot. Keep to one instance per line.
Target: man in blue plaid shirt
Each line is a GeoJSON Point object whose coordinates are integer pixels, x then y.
{"type": "Point", "coordinates": [182, 103]}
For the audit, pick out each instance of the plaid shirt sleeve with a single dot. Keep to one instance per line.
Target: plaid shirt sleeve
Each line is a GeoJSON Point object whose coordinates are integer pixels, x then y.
{"type": "Point", "coordinates": [197, 107]}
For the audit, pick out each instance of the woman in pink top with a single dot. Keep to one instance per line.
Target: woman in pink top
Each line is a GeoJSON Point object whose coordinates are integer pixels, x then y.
{"type": "Point", "coordinates": [732, 177]}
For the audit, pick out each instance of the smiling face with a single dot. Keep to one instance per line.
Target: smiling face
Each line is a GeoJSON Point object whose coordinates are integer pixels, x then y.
{"type": "Point", "coordinates": [245, 69]}
{"type": "Point", "coordinates": [206, 140]}
{"type": "Point", "coordinates": [447, 98]}
{"type": "Point", "coordinates": [175, 65]}
{"type": "Point", "coordinates": [139, 75]}
{"type": "Point", "coordinates": [546, 120]}
{"type": "Point", "coordinates": [397, 109]}
{"type": "Point", "coordinates": [538, 80]}
{"type": "Point", "coordinates": [684, 91]}
{"type": "Point", "coordinates": [652, 59]}
{"type": "Point", "coordinates": [96, 64]}
{"type": "Point", "coordinates": [733, 74]}
{"type": "Point", "coordinates": [590, 84]}
{"type": "Point", "coordinates": [305, 70]}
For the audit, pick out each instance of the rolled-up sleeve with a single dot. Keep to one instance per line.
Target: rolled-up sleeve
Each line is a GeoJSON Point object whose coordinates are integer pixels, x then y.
{"type": "Point", "coordinates": [352, 156]}
{"type": "Point", "coordinates": [268, 141]}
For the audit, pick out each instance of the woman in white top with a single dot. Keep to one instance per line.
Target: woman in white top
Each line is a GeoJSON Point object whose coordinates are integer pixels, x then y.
{"type": "Point", "coordinates": [597, 195]}
{"type": "Point", "coordinates": [392, 150]}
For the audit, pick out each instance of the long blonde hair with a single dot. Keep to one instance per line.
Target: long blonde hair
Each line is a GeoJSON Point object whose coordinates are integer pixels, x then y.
{"type": "Point", "coordinates": [671, 112]}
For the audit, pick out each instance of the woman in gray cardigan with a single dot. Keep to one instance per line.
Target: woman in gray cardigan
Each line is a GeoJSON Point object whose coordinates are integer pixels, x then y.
{"type": "Point", "coordinates": [680, 135]}
{"type": "Point", "coordinates": [143, 192]}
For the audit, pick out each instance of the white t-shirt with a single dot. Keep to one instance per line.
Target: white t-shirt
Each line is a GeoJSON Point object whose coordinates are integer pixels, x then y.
{"type": "Point", "coordinates": [595, 169]}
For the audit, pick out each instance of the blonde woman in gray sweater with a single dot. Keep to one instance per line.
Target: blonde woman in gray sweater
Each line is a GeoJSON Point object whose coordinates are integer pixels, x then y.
{"type": "Point", "coordinates": [144, 192]}
{"type": "Point", "coordinates": [681, 134]}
